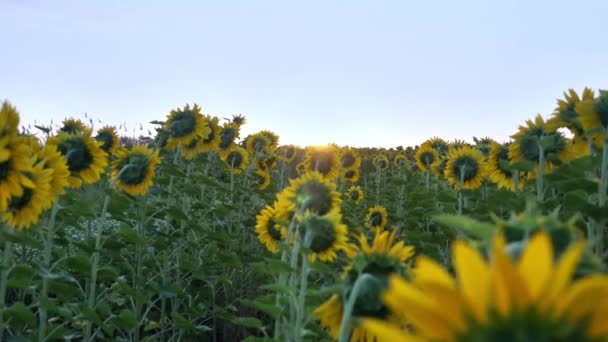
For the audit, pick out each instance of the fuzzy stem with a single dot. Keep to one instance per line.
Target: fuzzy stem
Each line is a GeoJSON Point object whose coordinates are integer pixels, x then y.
{"type": "Point", "coordinates": [301, 308]}
{"type": "Point", "coordinates": [48, 252]}
{"type": "Point", "coordinates": [283, 278]}
{"type": "Point", "coordinates": [345, 327]}
{"type": "Point", "coordinates": [516, 181]}
{"type": "Point", "coordinates": [6, 258]}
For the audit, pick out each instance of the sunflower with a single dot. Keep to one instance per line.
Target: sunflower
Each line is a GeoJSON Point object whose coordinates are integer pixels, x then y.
{"type": "Point", "coordinates": [185, 125]}
{"type": "Point", "coordinates": [325, 160]}
{"type": "Point", "coordinates": [269, 231]}
{"type": "Point", "coordinates": [52, 159]}
{"type": "Point", "coordinates": [134, 168]}
{"type": "Point", "coordinates": [273, 138]}
{"type": "Point", "coordinates": [109, 138]}
{"type": "Point", "coordinates": [310, 192]}
{"type": "Point", "coordinates": [287, 153]}
{"type": "Point", "coordinates": [262, 179]}
{"type": "Point", "coordinates": [377, 261]}
{"type": "Point", "coordinates": [498, 160]}
{"type": "Point", "coordinates": [350, 159]}
{"type": "Point", "coordinates": [438, 168]}
{"type": "Point", "coordinates": [74, 126]}
{"type": "Point", "coordinates": [257, 143]}
{"type": "Point", "coordinates": [457, 143]}
{"type": "Point", "coordinates": [350, 175]}
{"type": "Point", "coordinates": [25, 209]}
{"type": "Point", "coordinates": [565, 114]}
{"type": "Point", "coordinates": [426, 156]}
{"type": "Point", "coordinates": [15, 162]}
{"type": "Point", "coordinates": [381, 162]}
{"type": "Point", "coordinates": [465, 165]}
{"type": "Point", "coordinates": [526, 145]}
{"type": "Point", "coordinates": [84, 156]}
{"type": "Point", "coordinates": [593, 115]}
{"type": "Point", "coordinates": [377, 217]}
{"type": "Point", "coordinates": [484, 145]}
{"type": "Point", "coordinates": [301, 168]}
{"type": "Point", "coordinates": [438, 144]}
{"type": "Point", "coordinates": [238, 120]}
{"type": "Point", "coordinates": [401, 161]}
{"type": "Point", "coordinates": [212, 140]}
{"type": "Point", "coordinates": [228, 134]}
{"type": "Point", "coordinates": [355, 193]}
{"type": "Point", "coordinates": [9, 120]}
{"type": "Point", "coordinates": [237, 159]}
{"type": "Point", "coordinates": [532, 299]}
{"type": "Point", "coordinates": [326, 234]}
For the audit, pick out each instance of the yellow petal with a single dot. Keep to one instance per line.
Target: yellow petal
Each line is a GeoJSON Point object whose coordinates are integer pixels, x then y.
{"type": "Point", "coordinates": [473, 277]}
{"type": "Point", "coordinates": [451, 303]}
{"type": "Point", "coordinates": [561, 275]}
{"type": "Point", "coordinates": [387, 332]}
{"type": "Point", "coordinates": [428, 270]}
{"type": "Point", "coordinates": [597, 325]}
{"type": "Point", "coordinates": [507, 273]}
{"type": "Point", "coordinates": [583, 297]}
{"type": "Point", "coordinates": [536, 264]}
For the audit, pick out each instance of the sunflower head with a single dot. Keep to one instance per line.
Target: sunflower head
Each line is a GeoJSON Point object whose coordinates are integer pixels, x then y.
{"type": "Point", "coordinates": [262, 179]}
{"type": "Point", "coordinates": [185, 125]}
{"type": "Point", "coordinates": [310, 192]}
{"type": "Point", "coordinates": [257, 143]}
{"type": "Point", "coordinates": [426, 156]}
{"type": "Point", "coordinates": [323, 235]}
{"type": "Point", "coordinates": [74, 126]}
{"type": "Point", "coordinates": [593, 115]}
{"type": "Point", "coordinates": [401, 161]}
{"type": "Point", "coordinates": [465, 168]}
{"type": "Point", "coordinates": [238, 120]}
{"type": "Point", "coordinates": [109, 139]}
{"type": "Point", "coordinates": [15, 162]}
{"type": "Point", "coordinates": [565, 114]}
{"type": "Point", "coordinates": [381, 162]}
{"type": "Point", "coordinates": [350, 175]}
{"type": "Point", "coordinates": [134, 169]}
{"type": "Point", "coordinates": [355, 194]}
{"type": "Point", "coordinates": [228, 134]}
{"type": "Point", "coordinates": [377, 217]}
{"type": "Point", "coordinates": [237, 159]}
{"type": "Point", "coordinates": [530, 299]}
{"type": "Point", "coordinates": [350, 159]}
{"type": "Point", "coordinates": [9, 120]}
{"type": "Point", "coordinates": [273, 138]}
{"type": "Point", "coordinates": [325, 160]}
{"type": "Point", "coordinates": [440, 145]}
{"type": "Point", "coordinates": [287, 153]}
{"type": "Point", "coordinates": [53, 160]}
{"type": "Point", "coordinates": [269, 231]}
{"type": "Point", "coordinates": [484, 145]}
{"type": "Point", "coordinates": [498, 166]}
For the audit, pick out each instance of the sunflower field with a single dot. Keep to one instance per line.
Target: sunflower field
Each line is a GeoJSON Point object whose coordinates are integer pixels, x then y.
{"type": "Point", "coordinates": [199, 233]}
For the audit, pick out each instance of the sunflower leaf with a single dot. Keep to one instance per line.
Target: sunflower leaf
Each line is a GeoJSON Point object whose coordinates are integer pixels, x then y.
{"type": "Point", "coordinates": [468, 225]}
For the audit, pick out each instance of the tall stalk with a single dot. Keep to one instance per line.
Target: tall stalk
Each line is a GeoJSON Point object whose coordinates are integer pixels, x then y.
{"type": "Point", "coordinates": [6, 258]}
{"type": "Point", "coordinates": [345, 327]}
{"type": "Point", "coordinates": [603, 187]}
{"type": "Point", "coordinates": [48, 253]}
{"type": "Point", "coordinates": [460, 185]}
{"type": "Point", "coordinates": [301, 305]}
{"type": "Point", "coordinates": [540, 190]}
{"type": "Point", "coordinates": [516, 181]}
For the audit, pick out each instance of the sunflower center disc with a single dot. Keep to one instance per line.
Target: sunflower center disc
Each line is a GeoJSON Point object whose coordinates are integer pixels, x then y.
{"type": "Point", "coordinates": [274, 233]}
{"type": "Point", "coordinates": [468, 165]}
{"type": "Point", "coordinates": [226, 137]}
{"type": "Point", "coordinates": [17, 203]}
{"type": "Point", "coordinates": [323, 234]}
{"type": "Point", "coordinates": [5, 169]}
{"type": "Point", "coordinates": [107, 139]}
{"type": "Point", "coordinates": [376, 219]}
{"type": "Point", "coordinates": [234, 159]}
{"type": "Point", "coordinates": [183, 123]}
{"type": "Point", "coordinates": [70, 128]}
{"type": "Point", "coordinates": [348, 160]}
{"type": "Point", "coordinates": [354, 195]}
{"type": "Point", "coordinates": [77, 153]}
{"type": "Point", "coordinates": [136, 172]}
{"type": "Point", "coordinates": [315, 197]}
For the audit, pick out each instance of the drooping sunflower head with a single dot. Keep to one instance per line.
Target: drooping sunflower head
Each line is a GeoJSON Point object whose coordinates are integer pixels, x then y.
{"type": "Point", "coordinates": [370, 265]}
{"type": "Point", "coordinates": [355, 194]}
{"type": "Point", "coordinates": [262, 178]}
{"type": "Point", "coordinates": [401, 161]}
{"type": "Point", "coordinates": [185, 125]}
{"type": "Point", "coordinates": [257, 143]}
{"type": "Point", "coordinates": [287, 153]}
{"type": "Point", "coordinates": [350, 159]}
{"type": "Point", "coordinates": [376, 218]}
{"type": "Point", "coordinates": [426, 156]}
{"type": "Point", "coordinates": [228, 134]}
{"type": "Point", "coordinates": [109, 139]}
{"type": "Point", "coordinates": [465, 168]}
{"type": "Point", "coordinates": [237, 159]}
{"type": "Point", "coordinates": [530, 299]}
{"type": "Point", "coordinates": [9, 120]}
{"type": "Point", "coordinates": [593, 115]}
{"type": "Point", "coordinates": [310, 192]}
{"type": "Point", "coordinates": [565, 114]}
{"type": "Point", "coordinates": [269, 231]}
{"type": "Point", "coordinates": [133, 169]}
{"type": "Point", "coordinates": [14, 165]}
{"type": "Point", "coordinates": [74, 126]}
{"type": "Point", "coordinates": [323, 235]}
{"type": "Point", "coordinates": [498, 166]}
{"type": "Point", "coordinates": [52, 159]}
{"type": "Point", "coordinates": [84, 156]}
{"type": "Point", "coordinates": [325, 160]}
{"type": "Point", "coordinates": [350, 175]}
{"type": "Point", "coordinates": [24, 209]}
{"type": "Point", "coordinates": [381, 162]}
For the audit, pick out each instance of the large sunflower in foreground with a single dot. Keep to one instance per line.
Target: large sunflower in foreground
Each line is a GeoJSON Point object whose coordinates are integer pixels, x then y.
{"type": "Point", "coordinates": [326, 234]}
{"type": "Point", "coordinates": [355, 194]}
{"type": "Point", "coordinates": [269, 231]}
{"type": "Point", "coordinates": [325, 160]}
{"type": "Point", "coordinates": [25, 209]}
{"type": "Point", "coordinates": [381, 162]}
{"type": "Point", "coordinates": [310, 192]}
{"type": "Point", "coordinates": [425, 157]}
{"type": "Point", "coordinates": [377, 217]}
{"type": "Point", "coordinates": [465, 164]}
{"type": "Point", "coordinates": [237, 159]}
{"type": "Point", "coordinates": [52, 159]}
{"type": "Point", "coordinates": [530, 299]}
{"type": "Point", "coordinates": [593, 115]}
{"type": "Point", "coordinates": [134, 169]}
{"type": "Point", "coordinates": [109, 138]}
{"type": "Point", "coordinates": [14, 163]}
{"type": "Point", "coordinates": [84, 156]}
{"type": "Point", "coordinates": [378, 260]}
{"type": "Point", "coordinates": [185, 125]}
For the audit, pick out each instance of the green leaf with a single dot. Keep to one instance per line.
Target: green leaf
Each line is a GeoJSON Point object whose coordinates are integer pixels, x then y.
{"type": "Point", "coordinates": [249, 322]}
{"type": "Point", "coordinates": [270, 309]}
{"type": "Point", "coordinates": [129, 234]}
{"type": "Point", "coordinates": [466, 224]}
{"type": "Point", "coordinates": [125, 320]}
{"type": "Point", "coordinates": [525, 165]}
{"type": "Point", "coordinates": [79, 264]}
{"type": "Point", "coordinates": [20, 313]}
{"type": "Point", "coordinates": [21, 276]}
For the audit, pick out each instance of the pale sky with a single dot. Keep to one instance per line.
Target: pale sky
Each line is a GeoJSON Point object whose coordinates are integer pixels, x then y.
{"type": "Point", "coordinates": [361, 73]}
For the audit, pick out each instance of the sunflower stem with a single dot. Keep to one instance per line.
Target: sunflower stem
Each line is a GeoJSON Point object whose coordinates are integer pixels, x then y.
{"type": "Point", "coordinates": [516, 181]}
{"type": "Point", "coordinates": [95, 265]}
{"type": "Point", "coordinates": [428, 178]}
{"type": "Point", "coordinates": [460, 185]}
{"type": "Point", "coordinates": [540, 191]}
{"type": "Point", "coordinates": [345, 327]}
{"type": "Point", "coordinates": [6, 258]}
{"type": "Point", "coordinates": [283, 278]}
{"type": "Point", "coordinates": [377, 185]}
{"type": "Point", "coordinates": [48, 253]}
{"type": "Point", "coordinates": [301, 308]}
{"type": "Point", "coordinates": [602, 195]}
